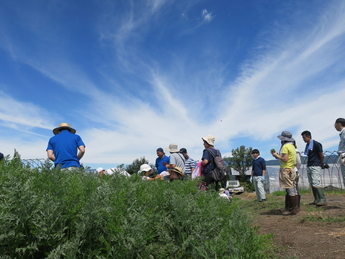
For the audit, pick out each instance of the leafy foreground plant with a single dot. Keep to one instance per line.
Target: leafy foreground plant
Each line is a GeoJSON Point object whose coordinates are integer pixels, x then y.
{"type": "Point", "coordinates": [56, 214]}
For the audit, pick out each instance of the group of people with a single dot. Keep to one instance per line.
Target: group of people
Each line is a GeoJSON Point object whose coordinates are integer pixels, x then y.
{"type": "Point", "coordinates": [179, 165]}
{"type": "Point", "coordinates": [290, 163]}
{"type": "Point", "coordinates": [66, 149]}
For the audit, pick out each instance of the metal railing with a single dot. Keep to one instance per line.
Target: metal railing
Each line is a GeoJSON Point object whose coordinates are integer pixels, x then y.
{"type": "Point", "coordinates": [331, 178]}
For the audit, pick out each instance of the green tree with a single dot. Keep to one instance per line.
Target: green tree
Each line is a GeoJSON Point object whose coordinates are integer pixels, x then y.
{"type": "Point", "coordinates": [135, 166]}
{"type": "Point", "coordinates": [241, 160]}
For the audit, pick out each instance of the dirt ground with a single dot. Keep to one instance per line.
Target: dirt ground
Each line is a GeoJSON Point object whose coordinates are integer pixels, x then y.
{"type": "Point", "coordinates": [300, 237]}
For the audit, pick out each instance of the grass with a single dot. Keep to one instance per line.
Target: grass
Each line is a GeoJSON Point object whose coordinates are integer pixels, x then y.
{"type": "Point", "coordinates": [273, 203]}
{"type": "Point", "coordinates": [47, 213]}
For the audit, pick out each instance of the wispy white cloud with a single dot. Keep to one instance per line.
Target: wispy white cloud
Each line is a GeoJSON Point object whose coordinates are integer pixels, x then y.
{"type": "Point", "coordinates": [289, 84]}
{"type": "Point", "coordinates": [206, 16]}
{"type": "Point", "coordinates": [14, 113]}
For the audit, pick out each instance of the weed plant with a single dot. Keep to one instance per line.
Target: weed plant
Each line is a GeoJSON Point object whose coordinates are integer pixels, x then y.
{"type": "Point", "coordinates": [48, 213]}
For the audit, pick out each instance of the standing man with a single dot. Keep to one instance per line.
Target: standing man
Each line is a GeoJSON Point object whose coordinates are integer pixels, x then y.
{"type": "Point", "coordinates": [208, 160]}
{"type": "Point", "coordinates": [313, 150]}
{"type": "Point", "coordinates": [339, 125]}
{"type": "Point", "coordinates": [66, 148]}
{"type": "Point", "coordinates": [160, 160]}
{"type": "Point", "coordinates": [189, 163]}
{"type": "Point", "coordinates": [176, 159]}
{"type": "Point", "coordinates": [258, 175]}
{"type": "Point", "coordinates": [287, 173]}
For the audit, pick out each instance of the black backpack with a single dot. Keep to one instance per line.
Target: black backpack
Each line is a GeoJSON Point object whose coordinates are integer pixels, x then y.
{"type": "Point", "coordinates": [219, 171]}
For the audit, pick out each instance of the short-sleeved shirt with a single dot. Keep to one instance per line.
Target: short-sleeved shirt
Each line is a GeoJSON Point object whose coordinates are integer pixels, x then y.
{"type": "Point", "coordinates": [178, 160]}
{"type": "Point", "coordinates": [65, 147]}
{"type": "Point", "coordinates": [258, 165]}
{"type": "Point", "coordinates": [210, 165]}
{"type": "Point", "coordinates": [159, 163]}
{"type": "Point", "coordinates": [189, 164]}
{"type": "Point", "coordinates": [314, 158]}
{"type": "Point", "coordinates": [341, 147]}
{"type": "Point", "coordinates": [290, 150]}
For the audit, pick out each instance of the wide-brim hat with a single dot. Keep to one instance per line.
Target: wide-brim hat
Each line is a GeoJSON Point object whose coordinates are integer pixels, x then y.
{"type": "Point", "coordinates": [178, 170]}
{"type": "Point", "coordinates": [209, 140]}
{"type": "Point", "coordinates": [286, 136]}
{"type": "Point", "coordinates": [173, 148]}
{"type": "Point", "coordinates": [64, 126]}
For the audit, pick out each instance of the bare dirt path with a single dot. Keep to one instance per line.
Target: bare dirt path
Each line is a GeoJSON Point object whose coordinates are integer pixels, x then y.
{"type": "Point", "coordinates": [311, 234]}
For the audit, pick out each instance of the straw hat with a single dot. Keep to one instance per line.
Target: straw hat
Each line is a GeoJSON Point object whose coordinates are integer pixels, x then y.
{"type": "Point", "coordinates": [177, 170]}
{"type": "Point", "coordinates": [209, 140]}
{"type": "Point", "coordinates": [64, 126]}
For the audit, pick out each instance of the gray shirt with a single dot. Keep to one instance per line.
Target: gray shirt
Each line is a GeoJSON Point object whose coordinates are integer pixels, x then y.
{"type": "Point", "coordinates": [178, 160]}
{"type": "Point", "coordinates": [341, 147]}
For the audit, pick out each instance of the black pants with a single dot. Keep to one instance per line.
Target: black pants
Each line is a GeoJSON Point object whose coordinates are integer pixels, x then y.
{"type": "Point", "coordinates": [210, 181]}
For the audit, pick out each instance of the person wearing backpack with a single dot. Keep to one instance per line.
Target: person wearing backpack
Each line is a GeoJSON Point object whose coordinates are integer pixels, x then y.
{"type": "Point", "coordinates": [208, 161]}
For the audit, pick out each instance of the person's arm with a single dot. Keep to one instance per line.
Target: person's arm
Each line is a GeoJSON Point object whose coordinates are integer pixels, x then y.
{"type": "Point", "coordinates": [50, 154]}
{"type": "Point", "coordinates": [204, 162]}
{"type": "Point", "coordinates": [322, 157]}
{"type": "Point", "coordinates": [284, 157]}
{"type": "Point", "coordinates": [81, 152]}
{"type": "Point", "coordinates": [263, 167]}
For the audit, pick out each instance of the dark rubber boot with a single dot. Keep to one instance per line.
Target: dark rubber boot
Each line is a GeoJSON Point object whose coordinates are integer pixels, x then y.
{"type": "Point", "coordinates": [322, 198]}
{"type": "Point", "coordinates": [294, 203]}
{"type": "Point", "coordinates": [287, 204]}
{"type": "Point", "coordinates": [315, 196]}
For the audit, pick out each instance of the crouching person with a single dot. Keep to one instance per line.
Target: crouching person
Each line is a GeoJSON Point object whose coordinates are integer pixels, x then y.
{"type": "Point", "coordinates": [176, 173]}
{"type": "Point", "coordinates": [147, 172]}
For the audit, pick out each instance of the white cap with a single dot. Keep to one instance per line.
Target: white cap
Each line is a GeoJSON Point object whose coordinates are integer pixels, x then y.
{"type": "Point", "coordinates": [145, 168]}
{"type": "Point", "coordinates": [99, 169]}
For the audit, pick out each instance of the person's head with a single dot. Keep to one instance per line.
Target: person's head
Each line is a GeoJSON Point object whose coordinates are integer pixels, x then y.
{"type": "Point", "coordinates": [306, 136]}
{"type": "Point", "coordinates": [183, 151]}
{"type": "Point", "coordinates": [160, 152]}
{"type": "Point", "coordinates": [175, 173]}
{"type": "Point", "coordinates": [339, 124]}
{"type": "Point", "coordinates": [208, 141]}
{"type": "Point", "coordinates": [64, 126]}
{"type": "Point", "coordinates": [255, 153]}
{"type": "Point", "coordinates": [173, 148]}
{"type": "Point", "coordinates": [100, 171]}
{"type": "Point", "coordinates": [146, 169]}
{"type": "Point", "coordinates": [286, 136]}
{"type": "Point", "coordinates": [1, 156]}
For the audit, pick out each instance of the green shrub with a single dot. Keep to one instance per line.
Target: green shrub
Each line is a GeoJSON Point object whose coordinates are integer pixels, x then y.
{"type": "Point", "coordinates": [48, 213]}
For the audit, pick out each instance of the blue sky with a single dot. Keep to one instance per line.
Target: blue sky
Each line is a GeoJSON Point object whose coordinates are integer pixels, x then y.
{"type": "Point", "coordinates": [132, 76]}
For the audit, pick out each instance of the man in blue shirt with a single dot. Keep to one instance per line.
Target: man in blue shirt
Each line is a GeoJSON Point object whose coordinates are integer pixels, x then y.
{"type": "Point", "coordinates": [208, 160]}
{"type": "Point", "coordinates": [160, 160]}
{"type": "Point", "coordinates": [313, 150]}
{"type": "Point", "coordinates": [258, 175]}
{"type": "Point", "coordinates": [63, 147]}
